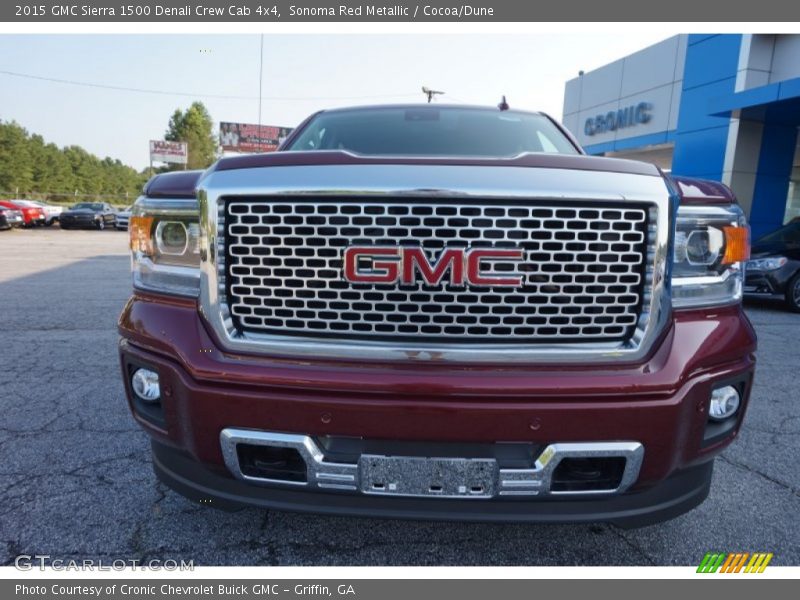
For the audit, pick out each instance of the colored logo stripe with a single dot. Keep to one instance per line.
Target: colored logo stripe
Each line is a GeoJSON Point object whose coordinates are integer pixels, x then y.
{"type": "Point", "coordinates": [733, 562]}
{"type": "Point", "coordinates": [711, 562]}
{"type": "Point", "coordinates": [758, 563]}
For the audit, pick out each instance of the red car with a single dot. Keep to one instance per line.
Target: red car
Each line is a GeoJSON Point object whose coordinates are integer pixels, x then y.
{"type": "Point", "coordinates": [441, 312]}
{"type": "Point", "coordinates": [31, 215]}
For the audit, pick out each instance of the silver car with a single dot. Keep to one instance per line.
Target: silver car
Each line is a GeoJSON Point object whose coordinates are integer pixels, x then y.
{"type": "Point", "coordinates": [123, 217]}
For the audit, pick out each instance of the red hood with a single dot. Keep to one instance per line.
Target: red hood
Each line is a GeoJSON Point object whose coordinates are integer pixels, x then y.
{"type": "Point", "coordinates": [333, 157]}
{"type": "Point", "coordinates": [702, 191]}
{"type": "Point", "coordinates": [177, 184]}
{"type": "Point", "coordinates": [182, 184]}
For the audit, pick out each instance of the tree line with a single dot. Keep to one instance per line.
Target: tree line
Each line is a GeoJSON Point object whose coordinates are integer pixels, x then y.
{"type": "Point", "coordinates": [32, 168]}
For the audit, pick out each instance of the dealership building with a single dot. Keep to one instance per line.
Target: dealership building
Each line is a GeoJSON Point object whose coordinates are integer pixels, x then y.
{"type": "Point", "coordinates": [722, 107]}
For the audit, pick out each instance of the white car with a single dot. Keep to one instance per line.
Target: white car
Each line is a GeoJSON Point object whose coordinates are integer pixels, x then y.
{"type": "Point", "coordinates": [52, 212]}
{"type": "Point", "coordinates": [123, 217]}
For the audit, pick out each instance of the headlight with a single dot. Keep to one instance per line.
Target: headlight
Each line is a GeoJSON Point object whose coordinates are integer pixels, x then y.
{"type": "Point", "coordinates": [711, 245]}
{"type": "Point", "coordinates": [767, 264]}
{"type": "Point", "coordinates": [165, 246]}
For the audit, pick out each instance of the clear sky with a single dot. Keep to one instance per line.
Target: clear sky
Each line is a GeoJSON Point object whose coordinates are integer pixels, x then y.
{"type": "Point", "coordinates": [301, 74]}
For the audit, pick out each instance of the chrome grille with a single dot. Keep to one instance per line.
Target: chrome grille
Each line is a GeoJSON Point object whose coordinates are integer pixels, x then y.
{"type": "Point", "coordinates": [584, 271]}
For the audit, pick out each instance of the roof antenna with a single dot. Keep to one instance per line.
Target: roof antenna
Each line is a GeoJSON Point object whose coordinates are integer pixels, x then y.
{"type": "Point", "coordinates": [431, 93]}
{"type": "Point", "coordinates": [503, 104]}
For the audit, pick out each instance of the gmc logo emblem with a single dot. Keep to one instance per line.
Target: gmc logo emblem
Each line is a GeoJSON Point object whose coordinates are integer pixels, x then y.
{"type": "Point", "coordinates": [407, 265]}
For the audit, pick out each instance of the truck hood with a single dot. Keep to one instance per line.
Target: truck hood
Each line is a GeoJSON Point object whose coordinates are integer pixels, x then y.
{"type": "Point", "coordinates": [693, 190]}
{"type": "Point", "coordinates": [434, 178]}
{"type": "Point", "coordinates": [275, 166]}
{"type": "Point", "coordinates": [176, 184]}
{"type": "Point", "coordinates": [579, 162]}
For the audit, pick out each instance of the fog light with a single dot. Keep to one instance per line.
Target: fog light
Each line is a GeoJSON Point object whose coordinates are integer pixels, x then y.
{"type": "Point", "coordinates": [145, 385]}
{"type": "Point", "coordinates": [724, 403]}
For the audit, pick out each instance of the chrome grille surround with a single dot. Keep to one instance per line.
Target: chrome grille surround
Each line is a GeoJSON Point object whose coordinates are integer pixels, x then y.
{"type": "Point", "coordinates": [375, 184]}
{"type": "Point", "coordinates": [583, 272]}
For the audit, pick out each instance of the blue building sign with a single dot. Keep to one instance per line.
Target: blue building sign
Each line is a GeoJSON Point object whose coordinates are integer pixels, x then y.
{"type": "Point", "coordinates": [728, 109]}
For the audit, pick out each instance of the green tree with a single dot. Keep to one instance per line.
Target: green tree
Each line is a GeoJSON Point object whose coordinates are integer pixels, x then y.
{"type": "Point", "coordinates": [30, 164]}
{"type": "Point", "coordinates": [195, 127]}
{"type": "Point", "coordinates": [16, 162]}
{"type": "Point", "coordinates": [55, 173]}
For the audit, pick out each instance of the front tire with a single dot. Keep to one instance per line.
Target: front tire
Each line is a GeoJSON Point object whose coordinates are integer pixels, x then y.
{"type": "Point", "coordinates": [793, 293]}
{"type": "Point", "coordinates": [101, 224]}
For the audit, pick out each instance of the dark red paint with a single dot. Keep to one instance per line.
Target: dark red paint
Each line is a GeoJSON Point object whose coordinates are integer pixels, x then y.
{"type": "Point", "coordinates": [176, 184]}
{"type": "Point", "coordinates": [659, 402]}
{"type": "Point", "coordinates": [334, 157]}
{"type": "Point", "coordinates": [702, 191]}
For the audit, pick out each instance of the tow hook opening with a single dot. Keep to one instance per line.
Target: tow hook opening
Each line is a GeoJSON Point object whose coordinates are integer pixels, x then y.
{"type": "Point", "coordinates": [591, 474]}
{"type": "Point", "coordinates": [272, 462]}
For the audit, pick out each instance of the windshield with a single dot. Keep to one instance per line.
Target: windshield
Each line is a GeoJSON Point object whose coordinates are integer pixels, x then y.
{"type": "Point", "coordinates": [788, 234]}
{"type": "Point", "coordinates": [89, 205]}
{"type": "Point", "coordinates": [432, 131]}
{"type": "Point", "coordinates": [26, 203]}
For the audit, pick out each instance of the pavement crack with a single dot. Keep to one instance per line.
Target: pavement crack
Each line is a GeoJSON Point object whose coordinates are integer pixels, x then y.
{"type": "Point", "coordinates": [748, 468]}
{"type": "Point", "coordinates": [633, 545]}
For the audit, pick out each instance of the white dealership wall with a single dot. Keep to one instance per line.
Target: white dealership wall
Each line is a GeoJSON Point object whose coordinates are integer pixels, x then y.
{"type": "Point", "coordinates": [653, 75]}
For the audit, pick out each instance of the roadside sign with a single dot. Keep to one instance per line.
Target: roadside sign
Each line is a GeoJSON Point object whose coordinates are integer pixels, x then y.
{"type": "Point", "coordinates": [169, 152]}
{"type": "Point", "coordinates": [247, 137]}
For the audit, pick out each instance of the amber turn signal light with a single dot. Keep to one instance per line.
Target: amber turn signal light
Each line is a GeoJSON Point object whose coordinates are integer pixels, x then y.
{"type": "Point", "coordinates": [141, 234]}
{"type": "Point", "coordinates": [737, 244]}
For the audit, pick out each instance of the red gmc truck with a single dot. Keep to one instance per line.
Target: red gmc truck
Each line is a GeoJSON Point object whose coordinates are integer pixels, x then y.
{"type": "Point", "coordinates": [441, 312]}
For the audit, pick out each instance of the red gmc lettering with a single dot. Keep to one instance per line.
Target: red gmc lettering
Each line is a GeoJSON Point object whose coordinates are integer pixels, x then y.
{"type": "Point", "coordinates": [408, 265]}
{"type": "Point", "coordinates": [476, 277]}
{"type": "Point", "coordinates": [414, 259]}
{"type": "Point", "coordinates": [381, 271]}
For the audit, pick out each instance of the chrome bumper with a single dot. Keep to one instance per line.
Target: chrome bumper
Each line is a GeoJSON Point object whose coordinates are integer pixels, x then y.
{"type": "Point", "coordinates": [430, 477]}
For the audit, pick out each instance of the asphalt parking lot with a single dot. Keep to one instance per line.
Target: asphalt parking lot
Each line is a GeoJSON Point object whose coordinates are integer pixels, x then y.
{"type": "Point", "coordinates": [76, 481]}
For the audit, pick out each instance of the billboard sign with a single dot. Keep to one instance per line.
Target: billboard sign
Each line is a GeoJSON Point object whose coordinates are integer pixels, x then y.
{"type": "Point", "coordinates": [246, 137]}
{"type": "Point", "coordinates": [169, 152]}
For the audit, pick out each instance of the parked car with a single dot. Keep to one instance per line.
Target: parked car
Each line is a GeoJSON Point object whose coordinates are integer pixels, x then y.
{"type": "Point", "coordinates": [123, 217]}
{"type": "Point", "coordinates": [774, 266]}
{"type": "Point", "coordinates": [10, 217]}
{"type": "Point", "coordinates": [31, 215]}
{"type": "Point", "coordinates": [52, 212]}
{"type": "Point", "coordinates": [95, 215]}
{"type": "Point", "coordinates": [442, 312]}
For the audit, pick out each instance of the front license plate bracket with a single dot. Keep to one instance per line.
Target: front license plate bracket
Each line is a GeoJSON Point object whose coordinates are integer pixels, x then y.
{"type": "Point", "coordinates": [428, 477]}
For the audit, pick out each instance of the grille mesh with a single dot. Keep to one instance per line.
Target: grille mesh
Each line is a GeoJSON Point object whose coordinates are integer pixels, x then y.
{"type": "Point", "coordinates": [583, 272]}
